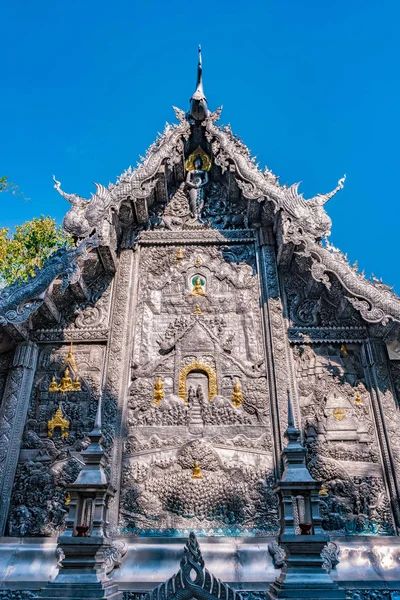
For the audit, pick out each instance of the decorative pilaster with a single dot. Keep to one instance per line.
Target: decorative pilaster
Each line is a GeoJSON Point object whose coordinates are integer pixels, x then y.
{"type": "Point", "coordinates": [277, 349]}
{"type": "Point", "coordinates": [13, 411]}
{"type": "Point", "coordinates": [387, 417]}
{"type": "Point", "coordinates": [118, 365]}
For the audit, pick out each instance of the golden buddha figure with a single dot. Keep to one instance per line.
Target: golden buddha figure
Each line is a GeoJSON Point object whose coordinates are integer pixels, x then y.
{"type": "Point", "coordinates": [66, 382]}
{"type": "Point", "coordinates": [237, 395]}
{"type": "Point", "coordinates": [358, 399]}
{"type": "Point", "coordinates": [53, 387]}
{"type": "Point", "coordinates": [76, 386]}
{"type": "Point", "coordinates": [158, 391]}
{"type": "Point", "coordinates": [197, 474]}
{"type": "Point", "coordinates": [179, 255]}
{"type": "Point", "coordinates": [197, 310]}
{"type": "Point", "coordinates": [198, 289]}
{"type": "Point", "coordinates": [323, 491]}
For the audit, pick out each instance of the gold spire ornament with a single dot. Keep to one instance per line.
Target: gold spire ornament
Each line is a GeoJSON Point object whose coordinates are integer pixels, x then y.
{"type": "Point", "coordinates": [179, 255]}
{"type": "Point", "coordinates": [58, 421]}
{"type": "Point", "coordinates": [205, 160]}
{"type": "Point", "coordinates": [197, 310]}
{"type": "Point", "coordinates": [71, 360]}
{"type": "Point", "coordinates": [197, 474]}
{"type": "Point", "coordinates": [198, 289]}
{"type": "Point", "coordinates": [158, 391]}
{"type": "Point", "coordinates": [237, 395]}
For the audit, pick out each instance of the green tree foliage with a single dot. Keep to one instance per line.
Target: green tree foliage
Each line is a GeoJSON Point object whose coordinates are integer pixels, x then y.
{"type": "Point", "coordinates": [26, 248]}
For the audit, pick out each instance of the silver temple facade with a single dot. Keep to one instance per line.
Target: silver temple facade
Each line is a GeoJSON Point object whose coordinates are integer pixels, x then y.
{"type": "Point", "coordinates": [199, 294]}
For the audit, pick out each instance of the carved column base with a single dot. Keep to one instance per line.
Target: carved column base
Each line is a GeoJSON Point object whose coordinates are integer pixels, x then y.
{"type": "Point", "coordinates": [303, 575]}
{"type": "Point", "coordinates": [82, 573]}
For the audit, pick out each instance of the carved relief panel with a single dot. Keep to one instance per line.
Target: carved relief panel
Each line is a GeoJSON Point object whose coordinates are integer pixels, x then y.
{"type": "Point", "coordinates": [340, 435]}
{"type": "Point", "coordinates": [198, 452]}
{"type": "Point", "coordinates": [61, 412]}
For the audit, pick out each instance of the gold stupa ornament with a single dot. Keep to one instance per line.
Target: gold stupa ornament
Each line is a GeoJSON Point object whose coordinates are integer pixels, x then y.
{"type": "Point", "coordinates": [66, 383]}
{"type": "Point", "coordinates": [158, 391]}
{"type": "Point", "coordinates": [203, 156]}
{"type": "Point", "coordinates": [179, 255]}
{"type": "Point", "coordinates": [198, 286]}
{"type": "Point", "coordinates": [197, 474]}
{"type": "Point", "coordinates": [58, 421]}
{"type": "Point", "coordinates": [237, 395]}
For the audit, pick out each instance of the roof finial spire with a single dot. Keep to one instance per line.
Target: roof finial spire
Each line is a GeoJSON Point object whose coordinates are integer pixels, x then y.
{"type": "Point", "coordinates": [198, 102]}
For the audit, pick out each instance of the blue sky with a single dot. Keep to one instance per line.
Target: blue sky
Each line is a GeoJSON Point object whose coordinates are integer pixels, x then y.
{"type": "Point", "coordinates": [313, 88]}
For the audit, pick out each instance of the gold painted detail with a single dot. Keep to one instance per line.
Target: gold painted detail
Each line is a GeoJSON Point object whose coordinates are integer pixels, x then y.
{"type": "Point", "coordinates": [198, 261]}
{"type": "Point", "coordinates": [179, 255]}
{"type": "Point", "coordinates": [198, 289]}
{"type": "Point", "coordinates": [358, 399]}
{"type": "Point", "coordinates": [323, 491]}
{"type": "Point", "coordinates": [237, 395]}
{"type": "Point", "coordinates": [205, 160]}
{"type": "Point", "coordinates": [66, 384]}
{"type": "Point", "coordinates": [71, 360]}
{"type": "Point", "coordinates": [58, 421]}
{"type": "Point", "coordinates": [158, 391]}
{"type": "Point", "coordinates": [339, 414]}
{"type": "Point", "coordinates": [344, 350]}
{"type": "Point", "coordinates": [197, 365]}
{"type": "Point", "coordinates": [67, 500]}
{"type": "Point", "coordinates": [197, 310]}
{"type": "Point", "coordinates": [197, 474]}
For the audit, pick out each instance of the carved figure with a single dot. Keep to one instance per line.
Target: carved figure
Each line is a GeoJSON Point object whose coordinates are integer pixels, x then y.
{"type": "Point", "coordinates": [66, 382]}
{"type": "Point", "coordinates": [158, 391]}
{"type": "Point", "coordinates": [197, 166]}
{"type": "Point", "coordinates": [237, 395]}
{"type": "Point", "coordinates": [86, 216]}
{"type": "Point", "coordinates": [197, 474]}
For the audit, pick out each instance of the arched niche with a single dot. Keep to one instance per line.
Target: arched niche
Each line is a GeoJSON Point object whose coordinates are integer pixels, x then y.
{"type": "Point", "coordinates": [197, 365]}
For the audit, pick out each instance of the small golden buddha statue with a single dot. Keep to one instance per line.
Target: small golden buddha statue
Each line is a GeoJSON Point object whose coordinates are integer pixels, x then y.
{"type": "Point", "coordinates": [76, 386]}
{"type": "Point", "coordinates": [237, 395]}
{"type": "Point", "coordinates": [358, 399]}
{"type": "Point", "coordinates": [197, 310]}
{"type": "Point", "coordinates": [198, 261]}
{"type": "Point", "coordinates": [198, 288]}
{"type": "Point", "coordinates": [179, 255]}
{"type": "Point", "coordinates": [158, 391]}
{"type": "Point", "coordinates": [53, 387]}
{"type": "Point", "coordinates": [67, 500]}
{"type": "Point", "coordinates": [323, 491]}
{"type": "Point", "coordinates": [197, 474]}
{"type": "Point", "coordinates": [66, 382]}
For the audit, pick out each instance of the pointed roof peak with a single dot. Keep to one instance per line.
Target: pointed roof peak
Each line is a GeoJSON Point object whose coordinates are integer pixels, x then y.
{"type": "Point", "coordinates": [198, 101]}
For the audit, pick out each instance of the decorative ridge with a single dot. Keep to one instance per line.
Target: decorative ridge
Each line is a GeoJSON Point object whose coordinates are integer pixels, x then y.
{"type": "Point", "coordinates": [20, 299]}
{"type": "Point", "coordinates": [375, 301]}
